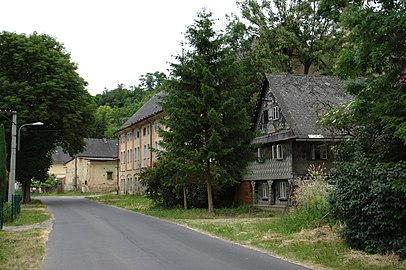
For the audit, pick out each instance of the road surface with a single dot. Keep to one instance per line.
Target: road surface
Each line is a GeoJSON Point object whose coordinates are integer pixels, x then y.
{"type": "Point", "coordinates": [87, 235]}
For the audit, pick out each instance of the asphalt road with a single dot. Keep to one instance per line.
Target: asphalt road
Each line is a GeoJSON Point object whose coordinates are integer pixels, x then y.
{"type": "Point", "coordinates": [87, 235]}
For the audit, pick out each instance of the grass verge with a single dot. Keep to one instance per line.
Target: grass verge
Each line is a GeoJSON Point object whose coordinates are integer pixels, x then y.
{"type": "Point", "coordinates": [31, 213]}
{"type": "Point", "coordinates": [24, 249]}
{"type": "Point", "coordinates": [269, 232]}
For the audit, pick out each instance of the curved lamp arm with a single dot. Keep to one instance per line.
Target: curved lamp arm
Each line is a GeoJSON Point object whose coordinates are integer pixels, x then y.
{"type": "Point", "coordinates": [19, 130]}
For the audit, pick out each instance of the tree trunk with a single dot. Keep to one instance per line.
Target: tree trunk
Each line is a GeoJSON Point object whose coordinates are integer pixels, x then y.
{"type": "Point", "coordinates": [26, 185]}
{"type": "Point", "coordinates": [209, 188]}
{"type": "Point", "coordinates": [184, 197]}
{"type": "Point", "coordinates": [307, 68]}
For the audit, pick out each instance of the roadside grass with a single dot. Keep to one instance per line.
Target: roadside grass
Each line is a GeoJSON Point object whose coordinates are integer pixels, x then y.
{"type": "Point", "coordinates": [31, 213]}
{"type": "Point", "coordinates": [24, 249]}
{"type": "Point", "coordinates": [291, 237]}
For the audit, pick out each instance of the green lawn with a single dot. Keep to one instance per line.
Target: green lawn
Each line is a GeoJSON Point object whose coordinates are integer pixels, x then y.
{"type": "Point", "coordinates": [317, 248]}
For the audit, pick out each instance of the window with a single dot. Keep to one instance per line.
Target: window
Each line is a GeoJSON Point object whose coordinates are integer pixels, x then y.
{"type": "Point", "coordinates": [145, 131]}
{"type": "Point", "coordinates": [109, 175]}
{"type": "Point", "coordinates": [264, 191]}
{"type": "Point", "coordinates": [318, 151]}
{"type": "Point", "coordinates": [265, 117]}
{"type": "Point", "coordinates": [277, 151]}
{"type": "Point", "coordinates": [122, 161]}
{"type": "Point", "coordinates": [136, 134]}
{"type": "Point", "coordinates": [129, 136]}
{"type": "Point", "coordinates": [275, 113]}
{"type": "Point", "coordinates": [157, 126]}
{"type": "Point", "coordinates": [128, 156]}
{"type": "Point", "coordinates": [260, 155]}
{"type": "Point", "coordinates": [148, 150]}
{"type": "Point", "coordinates": [122, 138]}
{"type": "Point", "coordinates": [282, 191]}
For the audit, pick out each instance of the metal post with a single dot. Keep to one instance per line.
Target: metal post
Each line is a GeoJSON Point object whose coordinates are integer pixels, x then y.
{"type": "Point", "coordinates": [11, 185]}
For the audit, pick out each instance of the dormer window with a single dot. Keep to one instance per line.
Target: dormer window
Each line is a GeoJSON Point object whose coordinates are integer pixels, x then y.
{"type": "Point", "coordinates": [265, 117]}
{"type": "Point", "coordinates": [275, 113]}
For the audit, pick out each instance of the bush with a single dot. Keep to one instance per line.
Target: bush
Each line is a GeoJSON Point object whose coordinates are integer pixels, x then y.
{"type": "Point", "coordinates": [311, 204]}
{"type": "Point", "coordinates": [47, 185]}
{"type": "Point", "coordinates": [366, 200]}
{"type": "Point", "coordinates": [165, 186]}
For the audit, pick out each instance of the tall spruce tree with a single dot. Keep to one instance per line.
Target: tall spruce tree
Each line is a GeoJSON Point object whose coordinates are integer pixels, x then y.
{"type": "Point", "coordinates": [208, 125]}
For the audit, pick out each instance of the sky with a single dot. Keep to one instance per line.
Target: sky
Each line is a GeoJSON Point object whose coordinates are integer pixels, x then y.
{"type": "Point", "coordinates": [112, 42]}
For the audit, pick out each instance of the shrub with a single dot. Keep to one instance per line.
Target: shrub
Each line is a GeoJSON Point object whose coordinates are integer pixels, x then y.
{"type": "Point", "coordinates": [311, 203]}
{"type": "Point", "coordinates": [46, 185]}
{"type": "Point", "coordinates": [366, 200]}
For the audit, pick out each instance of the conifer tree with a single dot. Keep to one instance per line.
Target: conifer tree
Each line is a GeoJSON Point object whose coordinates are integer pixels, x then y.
{"type": "Point", "coordinates": [208, 125]}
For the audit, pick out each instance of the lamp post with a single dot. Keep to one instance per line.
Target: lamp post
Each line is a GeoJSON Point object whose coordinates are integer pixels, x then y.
{"type": "Point", "coordinates": [11, 185]}
{"type": "Point", "coordinates": [30, 124]}
{"type": "Point", "coordinates": [12, 178]}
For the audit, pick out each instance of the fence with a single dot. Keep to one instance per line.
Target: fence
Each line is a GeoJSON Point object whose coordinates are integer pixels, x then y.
{"type": "Point", "coordinates": [9, 211]}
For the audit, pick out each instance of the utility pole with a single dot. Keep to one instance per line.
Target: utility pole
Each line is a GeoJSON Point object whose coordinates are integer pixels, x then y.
{"type": "Point", "coordinates": [12, 179]}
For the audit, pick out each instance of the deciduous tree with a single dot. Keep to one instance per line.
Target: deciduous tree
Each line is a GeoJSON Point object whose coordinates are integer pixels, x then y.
{"type": "Point", "coordinates": [39, 80]}
{"type": "Point", "coordinates": [370, 168]}
{"type": "Point", "coordinates": [298, 35]}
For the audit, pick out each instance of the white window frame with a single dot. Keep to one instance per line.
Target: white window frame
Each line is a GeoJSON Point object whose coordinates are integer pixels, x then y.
{"type": "Point", "coordinates": [275, 113]}
{"type": "Point", "coordinates": [277, 151]}
{"type": "Point", "coordinates": [260, 154]}
{"type": "Point", "coordinates": [264, 191]}
{"type": "Point", "coordinates": [283, 193]}
{"type": "Point", "coordinates": [322, 149]}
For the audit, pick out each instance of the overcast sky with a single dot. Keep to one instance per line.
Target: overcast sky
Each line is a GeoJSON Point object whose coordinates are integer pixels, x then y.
{"type": "Point", "coordinates": [116, 41]}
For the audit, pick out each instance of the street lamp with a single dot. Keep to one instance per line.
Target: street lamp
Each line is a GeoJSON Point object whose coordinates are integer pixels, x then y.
{"type": "Point", "coordinates": [30, 124]}
{"type": "Point", "coordinates": [12, 178]}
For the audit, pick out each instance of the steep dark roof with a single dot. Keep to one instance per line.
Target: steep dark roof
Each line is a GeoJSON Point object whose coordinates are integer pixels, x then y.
{"type": "Point", "coordinates": [150, 108]}
{"type": "Point", "coordinates": [100, 149]}
{"type": "Point", "coordinates": [58, 156]}
{"type": "Point", "coordinates": [303, 99]}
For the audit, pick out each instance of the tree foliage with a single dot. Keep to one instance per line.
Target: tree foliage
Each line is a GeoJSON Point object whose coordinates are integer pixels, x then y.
{"type": "Point", "coordinates": [295, 35]}
{"type": "Point", "coordinates": [208, 125]}
{"type": "Point", "coordinates": [370, 172]}
{"type": "Point", "coordinates": [40, 82]}
{"type": "Point", "coordinates": [117, 105]}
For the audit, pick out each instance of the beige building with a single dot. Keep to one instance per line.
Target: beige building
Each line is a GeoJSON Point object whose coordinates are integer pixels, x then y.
{"type": "Point", "coordinates": [93, 170]}
{"type": "Point", "coordinates": [58, 169]}
{"type": "Point", "coordinates": [137, 137]}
